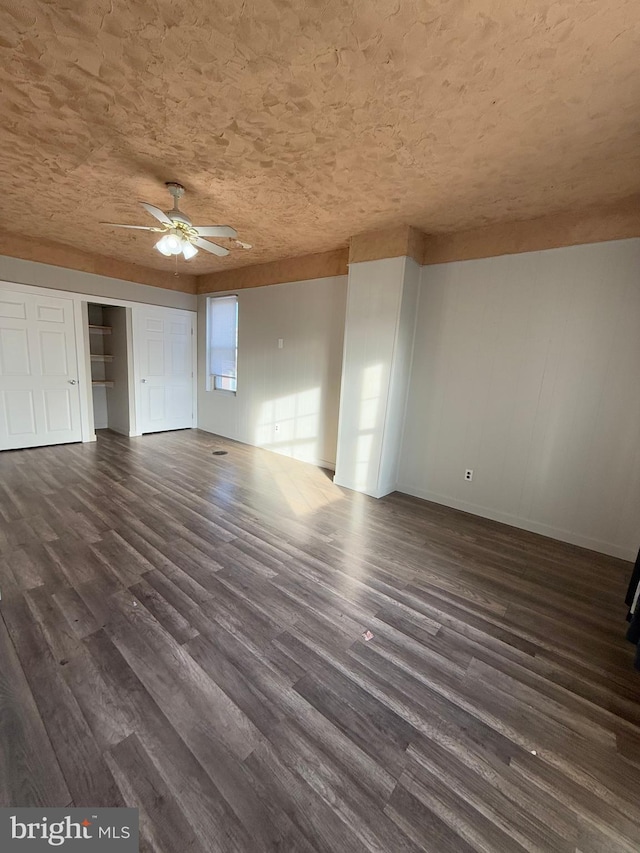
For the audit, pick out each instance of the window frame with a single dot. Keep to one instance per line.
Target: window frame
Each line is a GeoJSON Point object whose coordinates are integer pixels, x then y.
{"type": "Point", "coordinates": [212, 378]}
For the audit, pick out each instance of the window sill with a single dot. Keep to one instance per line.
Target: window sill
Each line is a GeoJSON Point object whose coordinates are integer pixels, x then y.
{"type": "Point", "coordinates": [223, 392]}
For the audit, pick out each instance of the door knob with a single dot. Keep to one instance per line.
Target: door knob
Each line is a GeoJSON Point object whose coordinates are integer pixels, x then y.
{"type": "Point", "coordinates": [143, 380]}
{"type": "Point", "coordinates": [73, 382]}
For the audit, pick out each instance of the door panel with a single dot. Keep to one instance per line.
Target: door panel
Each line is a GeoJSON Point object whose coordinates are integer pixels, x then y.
{"type": "Point", "coordinates": [163, 345]}
{"type": "Point", "coordinates": [16, 309]}
{"type": "Point", "coordinates": [155, 357]}
{"type": "Point", "coordinates": [39, 391]}
{"type": "Point", "coordinates": [51, 313]}
{"type": "Point", "coordinates": [53, 351]}
{"type": "Point", "coordinates": [21, 418]}
{"type": "Point", "coordinates": [57, 409]}
{"type": "Point", "coordinates": [156, 406]}
{"type": "Point", "coordinates": [14, 352]}
{"type": "Point", "coordinates": [180, 358]}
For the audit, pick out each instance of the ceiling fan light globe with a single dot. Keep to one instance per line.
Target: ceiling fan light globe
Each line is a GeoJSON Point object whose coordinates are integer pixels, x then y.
{"type": "Point", "coordinates": [172, 243]}
{"type": "Point", "coordinates": [161, 247]}
{"type": "Point", "coordinates": [189, 250]}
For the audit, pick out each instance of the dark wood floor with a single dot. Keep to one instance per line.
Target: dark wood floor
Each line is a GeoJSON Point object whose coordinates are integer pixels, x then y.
{"type": "Point", "coordinates": [182, 632]}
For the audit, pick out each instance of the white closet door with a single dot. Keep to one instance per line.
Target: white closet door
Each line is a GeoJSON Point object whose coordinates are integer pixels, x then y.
{"type": "Point", "coordinates": [39, 391]}
{"type": "Point", "coordinates": [163, 347]}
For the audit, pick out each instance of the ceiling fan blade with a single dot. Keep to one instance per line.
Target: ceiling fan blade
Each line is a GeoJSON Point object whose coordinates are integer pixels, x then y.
{"type": "Point", "coordinates": [216, 231]}
{"type": "Point", "coordinates": [135, 227]}
{"type": "Point", "coordinates": [210, 247]}
{"type": "Point", "coordinates": [160, 215]}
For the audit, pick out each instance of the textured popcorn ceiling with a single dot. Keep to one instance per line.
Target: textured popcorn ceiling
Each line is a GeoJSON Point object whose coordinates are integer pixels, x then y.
{"type": "Point", "coordinates": [304, 122]}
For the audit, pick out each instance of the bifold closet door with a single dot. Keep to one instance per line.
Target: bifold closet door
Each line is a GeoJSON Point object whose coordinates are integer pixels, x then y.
{"type": "Point", "coordinates": [164, 367]}
{"type": "Point", "coordinates": [39, 390]}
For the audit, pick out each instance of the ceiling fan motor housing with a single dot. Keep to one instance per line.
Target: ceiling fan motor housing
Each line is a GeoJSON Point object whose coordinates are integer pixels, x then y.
{"type": "Point", "coordinates": [177, 191]}
{"type": "Point", "coordinates": [176, 215]}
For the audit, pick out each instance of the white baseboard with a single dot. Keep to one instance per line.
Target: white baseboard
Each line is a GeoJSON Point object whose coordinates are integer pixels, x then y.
{"type": "Point", "coordinates": [568, 536]}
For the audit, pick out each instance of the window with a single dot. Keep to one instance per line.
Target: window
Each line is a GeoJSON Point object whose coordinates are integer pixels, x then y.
{"type": "Point", "coordinates": [222, 342]}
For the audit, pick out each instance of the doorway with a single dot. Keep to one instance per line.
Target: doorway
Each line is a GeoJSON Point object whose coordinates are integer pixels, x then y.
{"type": "Point", "coordinates": [109, 352]}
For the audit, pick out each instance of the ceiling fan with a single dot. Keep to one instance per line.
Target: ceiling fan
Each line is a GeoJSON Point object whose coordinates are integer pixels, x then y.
{"type": "Point", "coordinates": [179, 236]}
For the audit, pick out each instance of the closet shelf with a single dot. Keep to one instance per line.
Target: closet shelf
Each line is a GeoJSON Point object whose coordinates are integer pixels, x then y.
{"type": "Point", "coordinates": [100, 330]}
{"type": "Point", "coordinates": [100, 357]}
{"type": "Point", "coordinates": [102, 383]}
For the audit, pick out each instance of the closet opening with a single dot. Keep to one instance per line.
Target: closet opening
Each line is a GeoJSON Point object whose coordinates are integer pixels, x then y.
{"type": "Point", "coordinates": [109, 337]}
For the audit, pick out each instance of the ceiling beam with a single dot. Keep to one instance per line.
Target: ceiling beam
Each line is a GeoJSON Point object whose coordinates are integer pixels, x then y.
{"type": "Point", "coordinates": [617, 221]}
{"type": "Point", "coordinates": [320, 265]}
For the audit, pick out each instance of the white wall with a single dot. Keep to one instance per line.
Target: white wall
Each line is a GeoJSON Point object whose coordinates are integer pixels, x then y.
{"type": "Point", "coordinates": [297, 387]}
{"type": "Point", "coordinates": [526, 369]}
{"type": "Point", "coordinates": [60, 278]}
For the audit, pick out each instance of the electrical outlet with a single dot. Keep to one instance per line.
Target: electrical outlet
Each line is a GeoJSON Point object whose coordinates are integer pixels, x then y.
{"type": "Point", "coordinates": [468, 475]}
{"type": "Point", "coordinates": [280, 343]}
{"type": "Point", "coordinates": [276, 427]}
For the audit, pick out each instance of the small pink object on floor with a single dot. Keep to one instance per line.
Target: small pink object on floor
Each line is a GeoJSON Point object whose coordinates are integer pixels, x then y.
{"type": "Point", "coordinates": [367, 636]}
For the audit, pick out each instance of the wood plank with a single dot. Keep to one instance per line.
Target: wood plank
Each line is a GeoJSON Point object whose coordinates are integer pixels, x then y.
{"type": "Point", "coordinates": [85, 772]}
{"type": "Point", "coordinates": [162, 822]}
{"type": "Point", "coordinates": [29, 771]}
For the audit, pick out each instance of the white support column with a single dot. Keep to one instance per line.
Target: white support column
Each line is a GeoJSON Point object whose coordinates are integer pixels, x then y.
{"type": "Point", "coordinates": [379, 331]}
